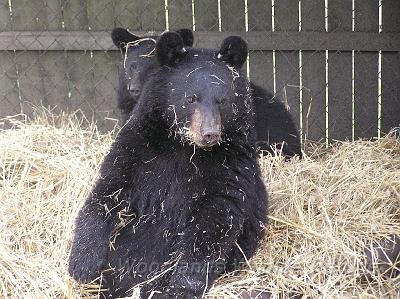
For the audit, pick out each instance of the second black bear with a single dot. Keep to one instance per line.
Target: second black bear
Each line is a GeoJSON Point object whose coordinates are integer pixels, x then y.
{"type": "Point", "coordinates": [137, 64]}
{"type": "Point", "coordinates": [179, 198]}
{"type": "Point", "coordinates": [274, 124]}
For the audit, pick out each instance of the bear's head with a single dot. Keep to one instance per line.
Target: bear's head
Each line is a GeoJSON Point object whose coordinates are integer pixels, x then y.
{"type": "Point", "coordinates": [207, 96]}
{"type": "Point", "coordinates": [139, 59]}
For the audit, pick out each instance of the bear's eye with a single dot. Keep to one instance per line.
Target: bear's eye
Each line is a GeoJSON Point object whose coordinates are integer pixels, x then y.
{"type": "Point", "coordinates": [191, 99]}
{"type": "Point", "coordinates": [220, 100]}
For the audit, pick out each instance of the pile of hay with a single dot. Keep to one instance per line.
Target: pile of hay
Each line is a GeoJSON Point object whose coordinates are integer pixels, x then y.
{"type": "Point", "coordinates": [324, 211]}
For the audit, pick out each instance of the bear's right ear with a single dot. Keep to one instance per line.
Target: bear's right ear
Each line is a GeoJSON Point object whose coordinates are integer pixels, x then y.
{"type": "Point", "coordinates": [187, 36]}
{"type": "Point", "coordinates": [169, 48]}
{"type": "Point", "coordinates": [233, 51]}
{"type": "Point", "coordinates": [121, 37]}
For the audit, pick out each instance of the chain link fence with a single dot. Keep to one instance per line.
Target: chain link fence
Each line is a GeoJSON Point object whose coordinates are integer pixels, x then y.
{"type": "Point", "coordinates": [335, 63]}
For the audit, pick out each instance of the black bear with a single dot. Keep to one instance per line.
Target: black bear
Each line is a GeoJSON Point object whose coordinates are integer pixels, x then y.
{"type": "Point", "coordinates": [274, 123]}
{"type": "Point", "coordinates": [179, 199]}
{"type": "Point", "coordinates": [137, 63]}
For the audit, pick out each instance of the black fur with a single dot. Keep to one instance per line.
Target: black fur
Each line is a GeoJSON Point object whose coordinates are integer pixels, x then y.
{"type": "Point", "coordinates": [183, 207]}
{"type": "Point", "coordinates": [169, 49]}
{"type": "Point", "coordinates": [232, 50]}
{"type": "Point", "coordinates": [139, 64]}
{"type": "Point", "coordinates": [274, 123]}
{"type": "Point", "coordinates": [121, 37]}
{"type": "Point", "coordinates": [187, 36]}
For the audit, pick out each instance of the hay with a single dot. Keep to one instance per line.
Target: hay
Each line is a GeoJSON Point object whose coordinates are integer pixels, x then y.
{"type": "Point", "coordinates": [325, 210]}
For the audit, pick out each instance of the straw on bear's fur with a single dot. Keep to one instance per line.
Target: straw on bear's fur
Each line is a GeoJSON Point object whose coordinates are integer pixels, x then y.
{"type": "Point", "coordinates": [326, 210]}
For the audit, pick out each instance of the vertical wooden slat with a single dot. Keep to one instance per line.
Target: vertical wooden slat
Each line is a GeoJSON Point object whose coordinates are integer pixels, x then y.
{"type": "Point", "coordinates": [8, 83]}
{"type": "Point", "coordinates": [87, 72]}
{"type": "Point", "coordinates": [339, 15]}
{"type": "Point", "coordinates": [313, 15]}
{"type": "Point", "coordinates": [74, 14]}
{"type": "Point", "coordinates": [180, 14]}
{"type": "Point", "coordinates": [287, 81]}
{"type": "Point", "coordinates": [232, 15]}
{"type": "Point", "coordinates": [53, 14]}
{"type": "Point", "coordinates": [39, 16]}
{"type": "Point", "coordinates": [340, 105]}
{"type": "Point", "coordinates": [390, 16]}
{"type": "Point", "coordinates": [53, 67]}
{"type": "Point", "coordinates": [313, 74]}
{"type": "Point", "coordinates": [206, 18]}
{"type": "Point", "coordinates": [340, 75]}
{"type": "Point", "coordinates": [140, 15]}
{"type": "Point", "coordinates": [5, 20]}
{"type": "Point", "coordinates": [287, 62]}
{"type": "Point", "coordinates": [35, 15]}
{"type": "Point", "coordinates": [390, 116]}
{"type": "Point", "coordinates": [233, 18]}
{"type": "Point", "coordinates": [286, 15]}
{"type": "Point", "coordinates": [29, 80]}
{"type": "Point", "coordinates": [313, 113]}
{"type": "Point", "coordinates": [101, 14]}
{"type": "Point", "coordinates": [75, 17]}
{"type": "Point", "coordinates": [260, 18]}
{"type": "Point", "coordinates": [80, 76]}
{"type": "Point", "coordinates": [366, 18]}
{"type": "Point", "coordinates": [366, 74]}
{"type": "Point", "coordinates": [261, 66]}
{"type": "Point", "coordinates": [206, 15]}
{"type": "Point", "coordinates": [365, 95]}
{"type": "Point", "coordinates": [9, 100]}
{"type": "Point", "coordinates": [105, 77]}
{"type": "Point", "coordinates": [102, 75]}
{"type": "Point", "coordinates": [261, 69]}
{"type": "Point", "coordinates": [78, 70]}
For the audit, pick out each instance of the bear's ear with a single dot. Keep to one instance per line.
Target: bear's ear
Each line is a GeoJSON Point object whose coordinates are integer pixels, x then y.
{"type": "Point", "coordinates": [169, 48]}
{"type": "Point", "coordinates": [121, 37]}
{"type": "Point", "coordinates": [233, 51]}
{"type": "Point", "coordinates": [187, 36]}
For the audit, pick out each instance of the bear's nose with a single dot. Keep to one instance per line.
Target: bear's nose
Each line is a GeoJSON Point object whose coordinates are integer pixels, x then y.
{"type": "Point", "coordinates": [211, 137]}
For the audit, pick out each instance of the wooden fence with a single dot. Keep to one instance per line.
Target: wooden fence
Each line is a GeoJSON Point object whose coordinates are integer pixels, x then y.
{"type": "Point", "coordinates": [335, 62]}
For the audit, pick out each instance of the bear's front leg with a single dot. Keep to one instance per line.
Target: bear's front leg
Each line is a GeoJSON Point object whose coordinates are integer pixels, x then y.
{"type": "Point", "coordinates": [202, 251]}
{"type": "Point", "coordinates": [98, 216]}
{"type": "Point", "coordinates": [90, 246]}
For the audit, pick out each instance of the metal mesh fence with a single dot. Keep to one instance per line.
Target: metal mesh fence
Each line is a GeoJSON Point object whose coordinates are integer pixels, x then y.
{"type": "Point", "coordinates": [335, 63]}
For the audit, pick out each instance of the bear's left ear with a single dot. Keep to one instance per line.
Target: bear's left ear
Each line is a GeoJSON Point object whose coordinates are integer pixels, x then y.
{"type": "Point", "coordinates": [233, 51]}
{"type": "Point", "coordinates": [169, 48]}
{"type": "Point", "coordinates": [121, 37]}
